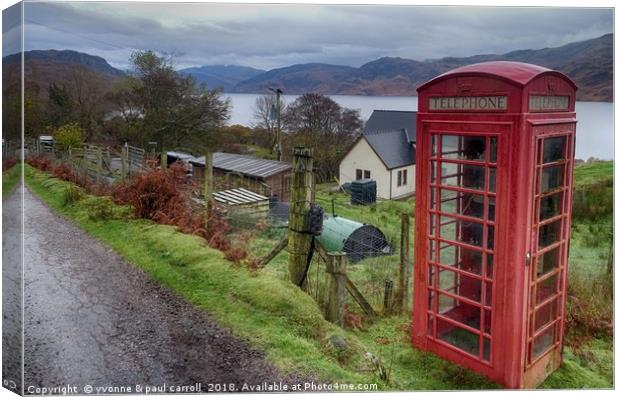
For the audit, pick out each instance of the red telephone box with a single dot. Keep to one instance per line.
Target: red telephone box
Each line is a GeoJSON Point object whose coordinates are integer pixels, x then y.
{"type": "Point", "coordinates": [495, 148]}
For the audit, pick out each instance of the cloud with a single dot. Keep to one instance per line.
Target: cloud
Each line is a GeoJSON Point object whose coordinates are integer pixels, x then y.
{"type": "Point", "coordinates": [11, 29]}
{"type": "Point", "coordinates": [272, 35]}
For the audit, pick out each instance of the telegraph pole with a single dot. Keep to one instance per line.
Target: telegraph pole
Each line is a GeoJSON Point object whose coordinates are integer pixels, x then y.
{"type": "Point", "coordinates": [278, 92]}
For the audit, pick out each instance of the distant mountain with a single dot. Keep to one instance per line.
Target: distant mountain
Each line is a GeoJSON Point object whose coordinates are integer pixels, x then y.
{"type": "Point", "coordinates": [297, 79]}
{"type": "Point", "coordinates": [43, 67]}
{"type": "Point", "coordinates": [589, 63]}
{"type": "Point", "coordinates": [221, 76]}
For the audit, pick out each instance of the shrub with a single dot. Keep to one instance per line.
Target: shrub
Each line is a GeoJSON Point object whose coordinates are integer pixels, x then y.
{"type": "Point", "coordinates": [161, 195]}
{"type": "Point", "coordinates": [68, 136]}
{"type": "Point", "coordinates": [589, 305]}
{"type": "Point", "coordinates": [598, 233]}
{"type": "Point", "coordinates": [40, 162]}
{"type": "Point", "coordinates": [103, 209]}
{"type": "Point", "coordinates": [156, 195]}
{"type": "Point", "coordinates": [593, 200]}
{"type": "Point", "coordinates": [64, 172]}
{"type": "Point", "coordinates": [72, 194]}
{"type": "Point", "coordinates": [8, 163]}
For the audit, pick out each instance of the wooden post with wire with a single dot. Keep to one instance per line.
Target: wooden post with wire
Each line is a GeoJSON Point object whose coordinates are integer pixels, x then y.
{"type": "Point", "coordinates": [336, 270]}
{"type": "Point", "coordinates": [208, 187]}
{"type": "Point", "coordinates": [299, 237]}
{"type": "Point", "coordinates": [403, 277]}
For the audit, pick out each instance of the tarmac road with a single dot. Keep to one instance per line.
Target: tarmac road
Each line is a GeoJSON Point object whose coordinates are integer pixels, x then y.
{"type": "Point", "coordinates": [93, 319]}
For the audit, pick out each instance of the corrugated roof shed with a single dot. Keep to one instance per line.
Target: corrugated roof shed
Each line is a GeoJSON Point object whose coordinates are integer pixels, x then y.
{"type": "Point", "coordinates": [392, 146]}
{"type": "Point", "coordinates": [246, 165]}
{"type": "Point", "coordinates": [391, 120]}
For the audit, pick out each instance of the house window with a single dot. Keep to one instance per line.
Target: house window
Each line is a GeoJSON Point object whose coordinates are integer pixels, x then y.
{"type": "Point", "coordinates": [287, 183]}
{"type": "Point", "coordinates": [366, 174]}
{"type": "Point", "coordinates": [358, 174]}
{"type": "Point", "coordinates": [402, 178]}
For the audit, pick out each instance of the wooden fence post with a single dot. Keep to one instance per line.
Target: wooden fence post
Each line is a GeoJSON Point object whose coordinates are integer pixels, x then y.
{"type": "Point", "coordinates": [99, 166]}
{"type": "Point", "coordinates": [273, 253]}
{"type": "Point", "coordinates": [208, 186]}
{"type": "Point", "coordinates": [299, 239]}
{"type": "Point", "coordinates": [388, 298]}
{"type": "Point", "coordinates": [336, 270]}
{"type": "Point", "coordinates": [163, 160]}
{"type": "Point", "coordinates": [402, 298]}
{"type": "Point", "coordinates": [124, 154]}
{"type": "Point", "coordinates": [610, 257]}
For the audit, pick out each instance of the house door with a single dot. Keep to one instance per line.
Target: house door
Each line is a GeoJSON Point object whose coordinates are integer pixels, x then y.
{"type": "Point", "coordinates": [548, 254]}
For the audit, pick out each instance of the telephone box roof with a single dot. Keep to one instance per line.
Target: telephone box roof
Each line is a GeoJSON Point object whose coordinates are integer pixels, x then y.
{"type": "Point", "coordinates": [517, 73]}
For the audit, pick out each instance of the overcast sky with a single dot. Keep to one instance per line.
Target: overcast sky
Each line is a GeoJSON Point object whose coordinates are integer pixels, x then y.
{"type": "Point", "coordinates": [270, 36]}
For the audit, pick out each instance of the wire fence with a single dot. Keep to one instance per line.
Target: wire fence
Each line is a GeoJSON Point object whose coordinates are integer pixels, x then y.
{"type": "Point", "coordinates": [371, 236]}
{"type": "Point", "coordinates": [103, 165]}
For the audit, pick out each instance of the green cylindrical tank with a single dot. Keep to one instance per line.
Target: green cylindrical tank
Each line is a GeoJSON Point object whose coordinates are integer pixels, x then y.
{"type": "Point", "coordinates": [357, 239]}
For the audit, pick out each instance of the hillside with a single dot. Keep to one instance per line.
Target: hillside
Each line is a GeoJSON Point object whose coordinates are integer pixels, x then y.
{"type": "Point", "coordinates": [43, 67]}
{"type": "Point", "coordinates": [589, 63]}
{"type": "Point", "coordinates": [221, 76]}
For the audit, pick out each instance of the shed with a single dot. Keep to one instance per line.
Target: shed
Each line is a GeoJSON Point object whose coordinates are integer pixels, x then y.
{"type": "Point", "coordinates": [358, 240]}
{"type": "Point", "coordinates": [243, 202]}
{"type": "Point", "coordinates": [173, 156]}
{"type": "Point", "coordinates": [185, 158]}
{"type": "Point", "coordinates": [254, 172]}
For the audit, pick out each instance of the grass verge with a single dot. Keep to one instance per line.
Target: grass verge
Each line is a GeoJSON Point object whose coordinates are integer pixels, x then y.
{"type": "Point", "coordinates": [10, 179]}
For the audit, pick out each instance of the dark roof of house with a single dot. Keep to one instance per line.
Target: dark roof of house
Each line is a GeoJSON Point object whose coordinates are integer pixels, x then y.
{"type": "Point", "coordinates": [246, 165]}
{"type": "Point", "coordinates": [391, 120]}
{"type": "Point", "coordinates": [392, 146]}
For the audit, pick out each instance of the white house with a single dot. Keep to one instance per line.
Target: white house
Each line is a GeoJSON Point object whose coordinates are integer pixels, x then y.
{"type": "Point", "coordinates": [385, 153]}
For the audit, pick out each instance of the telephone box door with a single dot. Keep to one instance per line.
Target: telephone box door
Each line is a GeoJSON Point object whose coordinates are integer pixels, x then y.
{"type": "Point", "coordinates": [547, 267]}
{"type": "Point", "coordinates": [463, 180]}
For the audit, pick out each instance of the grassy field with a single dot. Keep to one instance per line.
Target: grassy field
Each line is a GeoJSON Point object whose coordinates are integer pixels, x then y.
{"type": "Point", "coordinates": [588, 173]}
{"type": "Point", "coordinates": [10, 179]}
{"type": "Point", "coordinates": [263, 308]}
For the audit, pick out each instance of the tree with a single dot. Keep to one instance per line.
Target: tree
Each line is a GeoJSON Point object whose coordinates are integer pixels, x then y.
{"type": "Point", "coordinates": [33, 117]}
{"type": "Point", "coordinates": [60, 105]}
{"type": "Point", "coordinates": [234, 138]}
{"type": "Point", "coordinates": [87, 90]}
{"type": "Point", "coordinates": [167, 107]}
{"type": "Point", "coordinates": [317, 121]}
{"type": "Point", "coordinates": [80, 98]}
{"type": "Point", "coordinates": [265, 117]}
{"type": "Point", "coordinates": [313, 112]}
